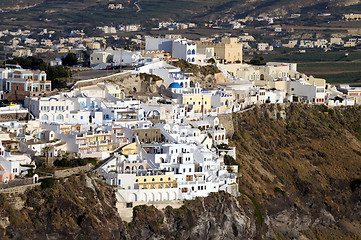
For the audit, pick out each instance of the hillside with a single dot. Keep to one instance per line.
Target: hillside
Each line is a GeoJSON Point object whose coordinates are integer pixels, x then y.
{"type": "Point", "coordinates": [96, 12]}
{"type": "Point", "coordinates": [301, 178]}
{"type": "Point", "coordinates": [6, 5]}
{"type": "Point", "coordinates": [303, 163]}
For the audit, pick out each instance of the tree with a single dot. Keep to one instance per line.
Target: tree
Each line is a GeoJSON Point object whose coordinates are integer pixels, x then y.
{"type": "Point", "coordinates": [29, 62]}
{"type": "Point", "coordinates": [47, 150]}
{"type": "Point", "coordinates": [57, 72]}
{"type": "Point", "coordinates": [212, 61]}
{"type": "Point", "coordinates": [259, 61]}
{"type": "Point", "coordinates": [70, 60]}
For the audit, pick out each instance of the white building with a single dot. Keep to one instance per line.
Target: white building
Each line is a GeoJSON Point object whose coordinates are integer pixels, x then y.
{"type": "Point", "coordinates": [158, 44]}
{"type": "Point", "coordinates": [185, 50]}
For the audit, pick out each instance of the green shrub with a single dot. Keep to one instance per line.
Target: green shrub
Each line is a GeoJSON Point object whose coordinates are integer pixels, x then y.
{"type": "Point", "coordinates": [48, 183]}
{"type": "Point", "coordinates": [223, 146]}
{"type": "Point", "coordinates": [279, 190]}
{"type": "Point", "coordinates": [257, 210]}
{"type": "Point", "coordinates": [75, 162]}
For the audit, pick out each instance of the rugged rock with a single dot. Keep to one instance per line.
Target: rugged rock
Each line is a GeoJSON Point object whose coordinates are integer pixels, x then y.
{"type": "Point", "coordinates": [83, 208]}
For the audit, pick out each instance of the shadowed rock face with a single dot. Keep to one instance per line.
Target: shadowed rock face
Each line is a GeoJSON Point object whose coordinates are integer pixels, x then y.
{"type": "Point", "coordinates": [76, 210]}
{"type": "Point", "coordinates": [219, 216]}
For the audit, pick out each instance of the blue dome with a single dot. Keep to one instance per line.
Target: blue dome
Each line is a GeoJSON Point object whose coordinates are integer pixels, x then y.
{"type": "Point", "coordinates": [174, 85]}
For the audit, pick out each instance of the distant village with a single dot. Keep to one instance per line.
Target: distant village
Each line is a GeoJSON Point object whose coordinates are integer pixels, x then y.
{"type": "Point", "coordinates": [170, 144]}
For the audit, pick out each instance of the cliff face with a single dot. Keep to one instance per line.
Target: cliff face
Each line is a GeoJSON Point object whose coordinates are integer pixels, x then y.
{"type": "Point", "coordinates": [219, 216]}
{"type": "Point", "coordinates": [82, 208]}
{"type": "Point", "coordinates": [300, 169]}
{"type": "Point", "coordinates": [303, 163]}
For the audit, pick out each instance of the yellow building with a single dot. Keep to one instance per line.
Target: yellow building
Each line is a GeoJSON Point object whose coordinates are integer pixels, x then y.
{"type": "Point", "coordinates": [201, 101]}
{"type": "Point", "coordinates": [228, 50]}
{"type": "Point", "coordinates": [227, 101]}
{"type": "Point", "coordinates": [130, 149]}
{"type": "Point", "coordinates": [352, 17]}
{"type": "Point", "coordinates": [319, 82]}
{"type": "Point", "coordinates": [68, 129]}
{"type": "Point", "coordinates": [156, 181]}
{"type": "Point", "coordinates": [93, 45]}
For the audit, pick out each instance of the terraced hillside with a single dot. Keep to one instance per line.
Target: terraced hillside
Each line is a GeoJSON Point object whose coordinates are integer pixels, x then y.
{"type": "Point", "coordinates": [6, 5]}
{"type": "Point", "coordinates": [96, 12]}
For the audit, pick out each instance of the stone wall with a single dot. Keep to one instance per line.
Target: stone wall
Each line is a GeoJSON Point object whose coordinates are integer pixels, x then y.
{"type": "Point", "coordinates": [13, 117]}
{"type": "Point", "coordinates": [227, 121]}
{"type": "Point", "coordinates": [93, 81]}
{"type": "Point", "coordinates": [18, 190]}
{"type": "Point", "coordinates": [72, 171]}
{"type": "Point", "coordinates": [16, 183]}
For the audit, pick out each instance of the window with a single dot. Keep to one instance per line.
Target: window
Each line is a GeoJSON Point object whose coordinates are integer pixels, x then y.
{"type": "Point", "coordinates": [161, 179]}
{"type": "Point", "coordinates": [136, 180]}
{"type": "Point", "coordinates": [169, 179]}
{"type": "Point", "coordinates": [153, 179]}
{"type": "Point", "coordinates": [145, 180]}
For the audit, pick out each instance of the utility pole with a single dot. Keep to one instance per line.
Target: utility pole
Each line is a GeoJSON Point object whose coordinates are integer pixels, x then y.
{"type": "Point", "coordinates": [202, 108]}
{"type": "Point", "coordinates": [121, 60]}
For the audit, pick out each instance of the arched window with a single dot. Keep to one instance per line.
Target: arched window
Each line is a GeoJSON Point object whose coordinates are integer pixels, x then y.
{"type": "Point", "coordinates": [60, 118]}
{"type": "Point", "coordinates": [45, 117]}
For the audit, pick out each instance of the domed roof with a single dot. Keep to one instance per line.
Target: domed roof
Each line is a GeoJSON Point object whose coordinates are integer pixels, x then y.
{"type": "Point", "coordinates": [174, 85]}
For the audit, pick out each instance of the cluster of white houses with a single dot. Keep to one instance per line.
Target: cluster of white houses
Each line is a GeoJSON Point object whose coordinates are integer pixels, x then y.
{"type": "Point", "coordinates": [165, 148]}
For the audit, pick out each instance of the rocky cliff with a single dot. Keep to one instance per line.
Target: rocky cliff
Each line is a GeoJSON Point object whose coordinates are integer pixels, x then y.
{"type": "Point", "coordinates": [83, 208]}
{"type": "Point", "coordinates": [303, 164]}
{"type": "Point", "coordinates": [300, 169]}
